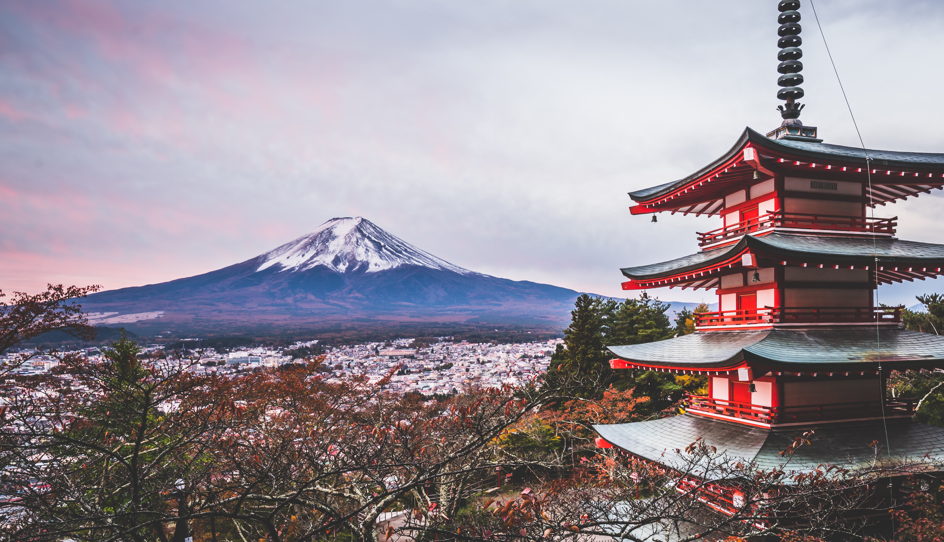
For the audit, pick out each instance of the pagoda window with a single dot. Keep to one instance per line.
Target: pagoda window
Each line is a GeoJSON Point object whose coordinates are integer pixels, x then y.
{"type": "Point", "coordinates": [797, 184]}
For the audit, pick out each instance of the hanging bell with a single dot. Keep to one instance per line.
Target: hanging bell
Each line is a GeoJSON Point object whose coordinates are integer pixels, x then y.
{"type": "Point", "coordinates": [756, 175]}
{"type": "Point", "coordinates": [756, 277]}
{"type": "Point", "coordinates": [655, 218]}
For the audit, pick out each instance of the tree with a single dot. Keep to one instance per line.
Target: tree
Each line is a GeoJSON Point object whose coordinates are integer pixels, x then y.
{"type": "Point", "coordinates": [922, 520]}
{"type": "Point", "coordinates": [581, 364]}
{"type": "Point", "coordinates": [624, 498]}
{"type": "Point", "coordinates": [927, 387]}
{"type": "Point", "coordinates": [930, 321]}
{"type": "Point", "coordinates": [580, 367]}
{"type": "Point", "coordinates": [27, 316]}
{"type": "Point", "coordinates": [685, 319]}
{"type": "Point", "coordinates": [636, 321]}
{"type": "Point", "coordinates": [122, 444]}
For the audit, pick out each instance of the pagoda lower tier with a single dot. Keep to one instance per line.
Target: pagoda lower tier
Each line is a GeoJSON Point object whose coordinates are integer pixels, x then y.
{"type": "Point", "coordinates": [851, 445]}
{"type": "Point", "coordinates": [791, 376]}
{"type": "Point", "coordinates": [767, 387]}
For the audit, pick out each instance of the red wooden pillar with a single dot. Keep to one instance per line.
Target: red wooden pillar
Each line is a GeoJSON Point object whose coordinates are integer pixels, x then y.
{"type": "Point", "coordinates": [776, 394]}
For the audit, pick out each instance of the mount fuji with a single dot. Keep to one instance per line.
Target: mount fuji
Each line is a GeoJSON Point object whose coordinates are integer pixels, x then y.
{"type": "Point", "coordinates": [348, 271]}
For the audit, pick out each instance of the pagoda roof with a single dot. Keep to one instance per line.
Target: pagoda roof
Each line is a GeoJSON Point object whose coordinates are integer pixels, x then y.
{"type": "Point", "coordinates": [844, 444]}
{"type": "Point", "coordinates": [800, 350]}
{"type": "Point", "coordinates": [910, 173]}
{"type": "Point", "coordinates": [914, 258]}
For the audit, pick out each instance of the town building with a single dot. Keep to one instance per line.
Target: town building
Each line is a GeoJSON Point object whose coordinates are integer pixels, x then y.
{"type": "Point", "coordinates": [799, 340]}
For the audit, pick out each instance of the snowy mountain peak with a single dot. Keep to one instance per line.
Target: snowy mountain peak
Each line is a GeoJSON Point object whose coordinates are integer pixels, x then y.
{"type": "Point", "coordinates": [349, 244]}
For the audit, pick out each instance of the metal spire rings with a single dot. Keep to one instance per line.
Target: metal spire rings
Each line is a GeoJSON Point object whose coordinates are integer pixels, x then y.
{"type": "Point", "coordinates": [790, 65]}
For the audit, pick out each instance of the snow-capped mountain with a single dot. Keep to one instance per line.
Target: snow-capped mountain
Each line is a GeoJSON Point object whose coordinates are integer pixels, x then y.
{"type": "Point", "coordinates": [347, 272]}
{"type": "Point", "coordinates": [351, 244]}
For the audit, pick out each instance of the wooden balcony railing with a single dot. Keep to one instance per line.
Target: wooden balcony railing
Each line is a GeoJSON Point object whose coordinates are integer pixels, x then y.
{"type": "Point", "coordinates": [799, 315]}
{"type": "Point", "coordinates": [809, 315]}
{"type": "Point", "coordinates": [733, 318]}
{"type": "Point", "coordinates": [802, 413]}
{"type": "Point", "coordinates": [779, 219]}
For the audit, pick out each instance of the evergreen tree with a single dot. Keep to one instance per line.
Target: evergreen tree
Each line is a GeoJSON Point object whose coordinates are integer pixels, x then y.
{"type": "Point", "coordinates": [930, 321]}
{"type": "Point", "coordinates": [684, 323]}
{"type": "Point", "coordinates": [685, 319]}
{"type": "Point", "coordinates": [581, 365]}
{"type": "Point", "coordinates": [637, 321]}
{"type": "Point", "coordinates": [928, 388]}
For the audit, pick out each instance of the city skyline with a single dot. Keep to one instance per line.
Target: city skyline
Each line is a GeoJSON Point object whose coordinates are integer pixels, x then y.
{"type": "Point", "coordinates": [147, 143]}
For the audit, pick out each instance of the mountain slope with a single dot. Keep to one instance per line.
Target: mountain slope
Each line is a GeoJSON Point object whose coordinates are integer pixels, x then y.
{"type": "Point", "coordinates": [347, 270]}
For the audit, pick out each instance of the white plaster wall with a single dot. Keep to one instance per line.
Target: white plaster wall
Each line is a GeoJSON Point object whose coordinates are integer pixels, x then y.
{"type": "Point", "coordinates": [766, 298]}
{"type": "Point", "coordinates": [732, 281]}
{"type": "Point", "coordinates": [763, 394]}
{"type": "Point", "coordinates": [765, 275]}
{"type": "Point", "coordinates": [766, 207]}
{"type": "Point", "coordinates": [719, 388]}
{"type": "Point", "coordinates": [760, 189]}
{"type": "Point", "coordinates": [735, 198]}
{"type": "Point", "coordinates": [729, 302]}
{"type": "Point", "coordinates": [731, 219]}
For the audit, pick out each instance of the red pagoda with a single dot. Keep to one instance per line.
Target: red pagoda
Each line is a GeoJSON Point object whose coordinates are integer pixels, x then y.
{"type": "Point", "coordinates": [798, 340]}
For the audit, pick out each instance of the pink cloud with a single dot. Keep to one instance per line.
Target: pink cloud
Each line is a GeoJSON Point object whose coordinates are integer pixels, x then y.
{"type": "Point", "coordinates": [10, 112]}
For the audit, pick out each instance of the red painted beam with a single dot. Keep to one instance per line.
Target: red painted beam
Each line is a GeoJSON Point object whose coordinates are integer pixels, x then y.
{"type": "Point", "coordinates": [602, 443]}
{"type": "Point", "coordinates": [640, 210]}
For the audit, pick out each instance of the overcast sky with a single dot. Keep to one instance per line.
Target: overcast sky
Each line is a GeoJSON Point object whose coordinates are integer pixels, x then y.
{"type": "Point", "coordinates": [143, 142]}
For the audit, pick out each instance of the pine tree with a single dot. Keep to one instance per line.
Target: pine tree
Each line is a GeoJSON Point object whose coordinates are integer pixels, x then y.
{"type": "Point", "coordinates": [581, 365]}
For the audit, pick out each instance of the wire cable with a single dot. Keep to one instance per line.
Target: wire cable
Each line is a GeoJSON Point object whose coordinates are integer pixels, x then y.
{"type": "Point", "coordinates": [875, 259]}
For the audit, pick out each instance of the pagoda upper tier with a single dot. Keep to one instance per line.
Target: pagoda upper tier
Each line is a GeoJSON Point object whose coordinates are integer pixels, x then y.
{"type": "Point", "coordinates": [883, 176]}
{"type": "Point", "coordinates": [799, 257]}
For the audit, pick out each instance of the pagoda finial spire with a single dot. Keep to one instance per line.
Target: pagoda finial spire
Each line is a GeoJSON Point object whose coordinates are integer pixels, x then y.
{"type": "Point", "coordinates": [790, 78]}
{"type": "Point", "coordinates": [790, 65]}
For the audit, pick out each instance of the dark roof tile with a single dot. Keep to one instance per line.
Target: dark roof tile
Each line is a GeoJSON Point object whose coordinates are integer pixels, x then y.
{"type": "Point", "coordinates": [842, 348]}
{"type": "Point", "coordinates": [842, 249]}
{"type": "Point", "coordinates": [846, 445]}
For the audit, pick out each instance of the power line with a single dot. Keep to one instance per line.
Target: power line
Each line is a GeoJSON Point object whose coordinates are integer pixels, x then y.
{"type": "Point", "coordinates": [868, 172]}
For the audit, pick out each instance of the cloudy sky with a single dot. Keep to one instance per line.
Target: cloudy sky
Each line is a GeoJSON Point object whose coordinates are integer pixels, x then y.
{"type": "Point", "coordinates": [142, 142]}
